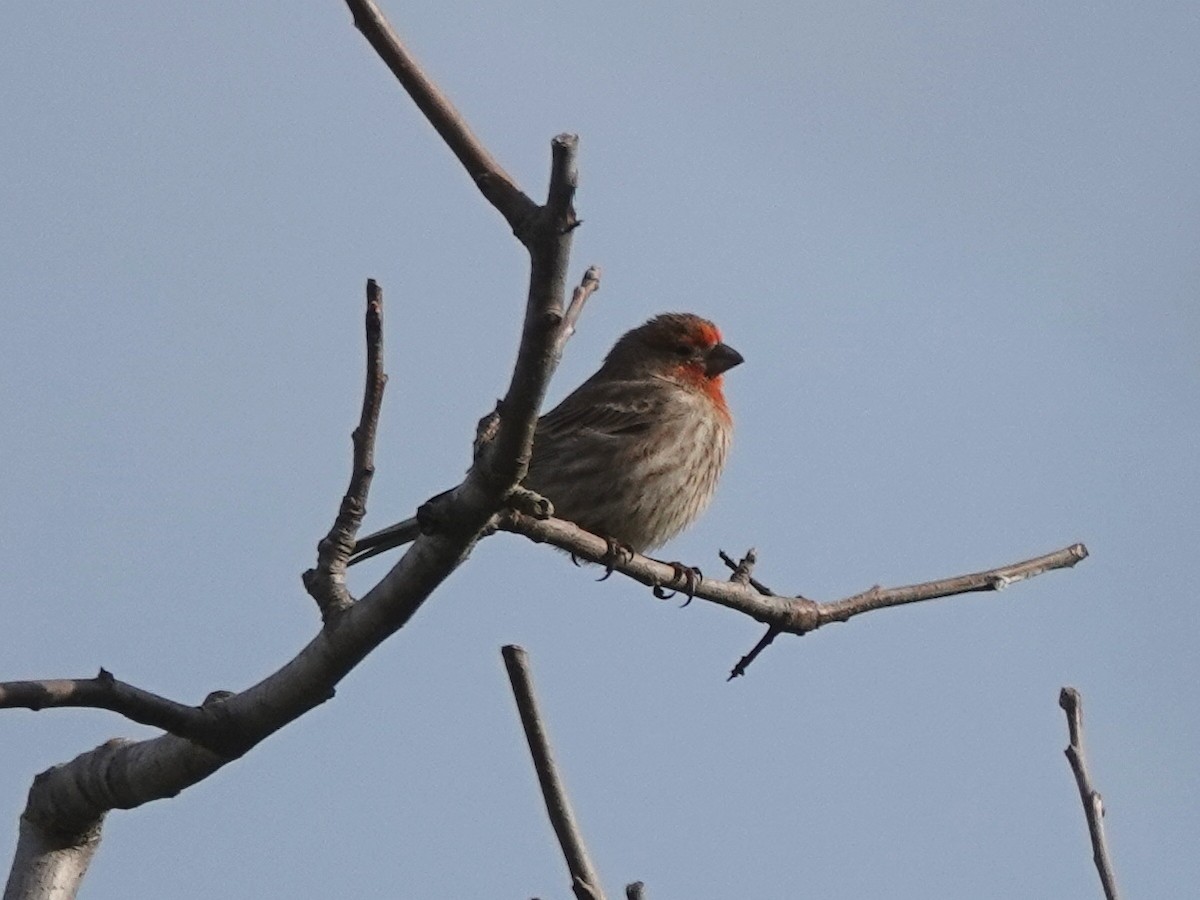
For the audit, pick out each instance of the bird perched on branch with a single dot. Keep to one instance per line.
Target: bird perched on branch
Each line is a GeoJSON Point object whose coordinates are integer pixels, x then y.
{"type": "Point", "coordinates": [634, 453]}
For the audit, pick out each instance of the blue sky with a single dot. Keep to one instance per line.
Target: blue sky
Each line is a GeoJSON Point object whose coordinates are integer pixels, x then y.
{"type": "Point", "coordinates": [956, 243]}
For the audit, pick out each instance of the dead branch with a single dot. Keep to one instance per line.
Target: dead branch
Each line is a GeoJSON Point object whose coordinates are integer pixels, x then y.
{"type": "Point", "coordinates": [326, 584]}
{"type": "Point", "coordinates": [585, 881]}
{"type": "Point", "coordinates": [105, 692]}
{"type": "Point", "coordinates": [1093, 806]}
{"type": "Point", "coordinates": [588, 285]}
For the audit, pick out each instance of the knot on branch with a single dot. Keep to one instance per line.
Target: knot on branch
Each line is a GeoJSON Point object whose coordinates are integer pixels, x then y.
{"type": "Point", "coordinates": [486, 430]}
{"type": "Point", "coordinates": [798, 615]}
{"type": "Point", "coordinates": [744, 568]}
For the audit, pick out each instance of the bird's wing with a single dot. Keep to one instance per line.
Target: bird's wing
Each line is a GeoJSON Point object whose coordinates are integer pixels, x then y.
{"type": "Point", "coordinates": [594, 411]}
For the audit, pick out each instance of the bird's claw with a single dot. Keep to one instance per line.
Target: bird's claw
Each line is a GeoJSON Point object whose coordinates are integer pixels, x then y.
{"type": "Point", "coordinates": [615, 553]}
{"type": "Point", "coordinates": [690, 576]}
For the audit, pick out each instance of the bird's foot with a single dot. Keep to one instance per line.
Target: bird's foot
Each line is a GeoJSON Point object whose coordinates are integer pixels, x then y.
{"type": "Point", "coordinates": [615, 553]}
{"type": "Point", "coordinates": [687, 577]}
{"type": "Point", "coordinates": [531, 503]}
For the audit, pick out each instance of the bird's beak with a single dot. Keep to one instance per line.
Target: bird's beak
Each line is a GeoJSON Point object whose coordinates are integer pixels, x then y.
{"type": "Point", "coordinates": [721, 358]}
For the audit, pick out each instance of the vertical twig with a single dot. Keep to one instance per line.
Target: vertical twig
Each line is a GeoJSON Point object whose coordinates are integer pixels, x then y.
{"type": "Point", "coordinates": [585, 880]}
{"type": "Point", "coordinates": [588, 285]}
{"type": "Point", "coordinates": [743, 574]}
{"type": "Point", "coordinates": [326, 584]}
{"type": "Point", "coordinates": [1093, 807]}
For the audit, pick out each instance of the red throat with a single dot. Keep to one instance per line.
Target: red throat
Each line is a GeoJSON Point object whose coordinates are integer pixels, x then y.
{"type": "Point", "coordinates": [710, 385]}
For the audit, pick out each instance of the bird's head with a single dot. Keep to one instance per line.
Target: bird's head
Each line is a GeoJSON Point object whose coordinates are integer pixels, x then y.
{"type": "Point", "coordinates": [681, 346]}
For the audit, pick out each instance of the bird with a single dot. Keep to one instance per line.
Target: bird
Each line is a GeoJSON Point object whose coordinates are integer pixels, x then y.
{"type": "Point", "coordinates": [635, 452]}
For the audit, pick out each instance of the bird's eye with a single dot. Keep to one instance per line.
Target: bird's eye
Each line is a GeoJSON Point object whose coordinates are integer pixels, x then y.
{"type": "Point", "coordinates": [683, 350]}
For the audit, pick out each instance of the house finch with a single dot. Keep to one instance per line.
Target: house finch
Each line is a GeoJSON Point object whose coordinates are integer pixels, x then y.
{"type": "Point", "coordinates": [634, 453]}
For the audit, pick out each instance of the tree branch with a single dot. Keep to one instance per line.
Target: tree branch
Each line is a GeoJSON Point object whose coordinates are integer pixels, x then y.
{"type": "Point", "coordinates": [46, 867]}
{"type": "Point", "coordinates": [741, 575]}
{"type": "Point", "coordinates": [585, 881]}
{"type": "Point", "coordinates": [496, 185]}
{"type": "Point", "coordinates": [1093, 806]}
{"type": "Point", "coordinates": [105, 692]}
{"type": "Point", "coordinates": [549, 243]}
{"type": "Point", "coordinates": [588, 285]}
{"type": "Point", "coordinates": [792, 615]}
{"type": "Point", "coordinates": [326, 584]}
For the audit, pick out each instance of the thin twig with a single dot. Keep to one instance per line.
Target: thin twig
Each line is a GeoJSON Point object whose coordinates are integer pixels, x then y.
{"type": "Point", "coordinates": [588, 285]}
{"type": "Point", "coordinates": [742, 570]}
{"type": "Point", "coordinates": [991, 580]}
{"type": "Point", "coordinates": [104, 692]}
{"type": "Point", "coordinates": [584, 878]}
{"type": "Point", "coordinates": [740, 667]}
{"type": "Point", "coordinates": [1093, 806]}
{"type": "Point", "coordinates": [326, 584]}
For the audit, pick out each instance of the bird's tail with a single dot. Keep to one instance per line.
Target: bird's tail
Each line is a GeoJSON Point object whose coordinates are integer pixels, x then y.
{"type": "Point", "coordinates": [387, 539]}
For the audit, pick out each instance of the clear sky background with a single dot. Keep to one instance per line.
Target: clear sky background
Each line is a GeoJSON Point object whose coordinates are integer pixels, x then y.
{"type": "Point", "coordinates": [957, 243]}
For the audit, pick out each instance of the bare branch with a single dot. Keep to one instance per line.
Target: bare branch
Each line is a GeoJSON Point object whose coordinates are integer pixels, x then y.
{"type": "Point", "coordinates": [105, 692]}
{"type": "Point", "coordinates": [585, 881]}
{"type": "Point", "coordinates": [588, 285]}
{"type": "Point", "coordinates": [60, 826]}
{"type": "Point", "coordinates": [327, 582]}
{"type": "Point", "coordinates": [46, 868]}
{"type": "Point", "coordinates": [741, 575]}
{"type": "Point", "coordinates": [740, 667]}
{"type": "Point", "coordinates": [549, 244]}
{"type": "Point", "coordinates": [1093, 807]}
{"type": "Point", "coordinates": [743, 568]}
{"type": "Point", "coordinates": [496, 185]}
{"type": "Point", "coordinates": [792, 615]}
{"type": "Point", "coordinates": [991, 580]}
{"type": "Point", "coordinates": [635, 890]}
